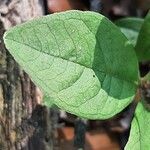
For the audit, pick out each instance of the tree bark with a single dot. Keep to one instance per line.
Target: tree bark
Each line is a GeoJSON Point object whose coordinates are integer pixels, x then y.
{"type": "Point", "coordinates": [24, 124]}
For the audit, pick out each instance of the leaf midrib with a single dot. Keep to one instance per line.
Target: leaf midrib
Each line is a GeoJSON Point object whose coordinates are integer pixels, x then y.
{"type": "Point", "coordinates": [104, 72]}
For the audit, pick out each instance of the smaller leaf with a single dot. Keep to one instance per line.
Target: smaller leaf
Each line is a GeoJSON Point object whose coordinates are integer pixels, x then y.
{"type": "Point", "coordinates": [146, 77]}
{"type": "Point", "coordinates": [140, 130]}
{"type": "Point", "coordinates": [130, 23]}
{"type": "Point", "coordinates": [143, 43]}
{"type": "Point", "coordinates": [130, 27]}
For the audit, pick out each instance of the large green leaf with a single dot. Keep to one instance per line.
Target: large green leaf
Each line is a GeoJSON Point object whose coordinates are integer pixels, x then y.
{"type": "Point", "coordinates": [140, 130]}
{"type": "Point", "coordinates": [130, 27]}
{"type": "Point", "coordinates": [143, 42]}
{"type": "Point", "coordinates": [80, 59]}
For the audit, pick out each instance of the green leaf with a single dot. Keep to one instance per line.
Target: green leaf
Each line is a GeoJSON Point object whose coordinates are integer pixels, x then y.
{"type": "Point", "coordinates": [146, 77]}
{"type": "Point", "coordinates": [130, 23]}
{"type": "Point", "coordinates": [130, 27]}
{"type": "Point", "coordinates": [79, 59]}
{"type": "Point", "coordinates": [48, 101]}
{"type": "Point", "coordinates": [143, 42]}
{"type": "Point", "coordinates": [140, 130]}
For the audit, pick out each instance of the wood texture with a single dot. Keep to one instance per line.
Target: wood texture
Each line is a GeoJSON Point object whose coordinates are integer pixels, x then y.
{"type": "Point", "coordinates": [24, 124]}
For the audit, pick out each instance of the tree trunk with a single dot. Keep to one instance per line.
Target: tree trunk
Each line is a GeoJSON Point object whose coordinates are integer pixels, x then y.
{"type": "Point", "coordinates": [24, 124]}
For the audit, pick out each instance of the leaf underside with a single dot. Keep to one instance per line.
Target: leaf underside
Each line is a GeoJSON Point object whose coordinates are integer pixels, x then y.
{"type": "Point", "coordinates": [80, 60]}
{"type": "Point", "coordinates": [140, 130]}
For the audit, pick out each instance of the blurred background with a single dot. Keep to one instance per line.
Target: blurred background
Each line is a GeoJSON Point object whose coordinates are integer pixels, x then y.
{"type": "Point", "coordinates": [27, 125]}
